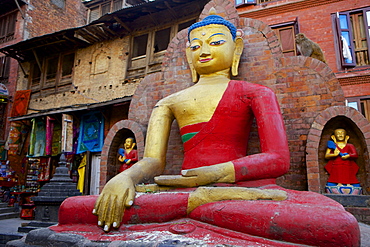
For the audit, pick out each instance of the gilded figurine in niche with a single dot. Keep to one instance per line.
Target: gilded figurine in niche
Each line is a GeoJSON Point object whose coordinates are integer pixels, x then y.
{"type": "Point", "coordinates": [127, 155]}
{"type": "Point", "coordinates": [341, 166]}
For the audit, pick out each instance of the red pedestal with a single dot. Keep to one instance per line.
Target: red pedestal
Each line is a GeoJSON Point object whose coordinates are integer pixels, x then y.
{"type": "Point", "coordinates": [28, 212]}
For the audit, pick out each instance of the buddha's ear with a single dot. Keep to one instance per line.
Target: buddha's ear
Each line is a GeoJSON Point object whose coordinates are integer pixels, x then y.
{"type": "Point", "coordinates": [346, 139]}
{"type": "Point", "coordinates": [194, 74]}
{"type": "Point", "coordinates": [239, 45]}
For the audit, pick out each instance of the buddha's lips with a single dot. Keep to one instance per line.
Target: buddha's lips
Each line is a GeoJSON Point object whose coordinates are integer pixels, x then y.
{"type": "Point", "coordinates": [205, 60]}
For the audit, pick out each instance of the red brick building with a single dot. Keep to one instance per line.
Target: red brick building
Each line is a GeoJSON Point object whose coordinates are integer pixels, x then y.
{"type": "Point", "coordinates": [324, 22]}
{"type": "Point", "coordinates": [24, 19]}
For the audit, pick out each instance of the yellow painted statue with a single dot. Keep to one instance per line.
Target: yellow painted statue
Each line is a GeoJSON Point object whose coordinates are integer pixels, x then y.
{"type": "Point", "coordinates": [219, 184]}
{"type": "Point", "coordinates": [341, 166]}
{"type": "Point", "coordinates": [127, 155]}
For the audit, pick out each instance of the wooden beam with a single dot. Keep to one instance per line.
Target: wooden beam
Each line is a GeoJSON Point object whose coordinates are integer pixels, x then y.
{"type": "Point", "coordinates": [37, 59]}
{"type": "Point", "coordinates": [174, 15]}
{"type": "Point", "coordinates": [122, 23]}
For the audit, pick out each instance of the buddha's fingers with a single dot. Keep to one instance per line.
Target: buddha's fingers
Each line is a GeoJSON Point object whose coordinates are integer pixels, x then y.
{"type": "Point", "coordinates": [276, 195]}
{"type": "Point", "coordinates": [96, 206]}
{"type": "Point", "coordinates": [119, 207]}
{"type": "Point", "coordinates": [176, 181]}
{"type": "Point", "coordinates": [102, 209]}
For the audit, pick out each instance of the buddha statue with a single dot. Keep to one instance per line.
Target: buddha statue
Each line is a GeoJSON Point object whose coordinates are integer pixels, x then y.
{"type": "Point", "coordinates": [341, 166]}
{"type": "Point", "coordinates": [219, 183]}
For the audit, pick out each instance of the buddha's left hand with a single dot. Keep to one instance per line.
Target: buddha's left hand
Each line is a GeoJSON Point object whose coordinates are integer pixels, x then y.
{"type": "Point", "coordinates": [220, 173]}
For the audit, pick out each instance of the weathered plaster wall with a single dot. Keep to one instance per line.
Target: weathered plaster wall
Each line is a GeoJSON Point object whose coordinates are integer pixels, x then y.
{"type": "Point", "coordinates": [99, 76]}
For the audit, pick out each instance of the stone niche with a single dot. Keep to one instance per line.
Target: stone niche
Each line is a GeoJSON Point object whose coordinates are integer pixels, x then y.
{"type": "Point", "coordinates": [356, 138]}
{"type": "Point", "coordinates": [322, 128]}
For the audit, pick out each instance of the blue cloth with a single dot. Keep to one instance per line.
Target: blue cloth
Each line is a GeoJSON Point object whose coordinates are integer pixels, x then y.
{"type": "Point", "coordinates": [331, 145]}
{"type": "Point", "coordinates": [91, 136]}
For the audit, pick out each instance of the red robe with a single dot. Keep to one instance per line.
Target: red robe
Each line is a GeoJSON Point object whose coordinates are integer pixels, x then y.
{"type": "Point", "coordinates": [343, 171]}
{"type": "Point", "coordinates": [132, 155]}
{"type": "Point", "coordinates": [225, 137]}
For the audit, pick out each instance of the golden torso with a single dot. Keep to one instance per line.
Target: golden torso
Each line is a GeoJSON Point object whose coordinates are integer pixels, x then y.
{"type": "Point", "coordinates": [341, 145]}
{"type": "Point", "coordinates": [197, 104]}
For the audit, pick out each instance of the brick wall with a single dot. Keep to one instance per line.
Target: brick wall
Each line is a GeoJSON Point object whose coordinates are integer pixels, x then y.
{"type": "Point", "coordinates": [44, 17]}
{"type": "Point", "coordinates": [314, 20]}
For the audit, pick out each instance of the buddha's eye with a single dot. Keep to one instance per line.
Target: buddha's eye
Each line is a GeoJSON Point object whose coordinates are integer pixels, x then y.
{"type": "Point", "coordinates": [218, 42]}
{"type": "Point", "coordinates": [194, 47]}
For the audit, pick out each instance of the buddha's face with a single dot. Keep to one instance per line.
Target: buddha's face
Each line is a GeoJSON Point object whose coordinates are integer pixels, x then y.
{"type": "Point", "coordinates": [211, 48]}
{"type": "Point", "coordinates": [128, 143]}
{"type": "Point", "coordinates": [340, 134]}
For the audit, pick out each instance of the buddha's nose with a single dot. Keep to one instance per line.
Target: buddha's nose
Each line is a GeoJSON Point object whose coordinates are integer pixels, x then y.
{"type": "Point", "coordinates": [205, 51]}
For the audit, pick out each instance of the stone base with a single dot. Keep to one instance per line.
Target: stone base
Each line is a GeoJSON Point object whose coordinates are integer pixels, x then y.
{"type": "Point", "coordinates": [351, 200]}
{"type": "Point", "coordinates": [361, 214]}
{"type": "Point", "coordinates": [177, 233]}
{"type": "Point", "coordinates": [47, 213]}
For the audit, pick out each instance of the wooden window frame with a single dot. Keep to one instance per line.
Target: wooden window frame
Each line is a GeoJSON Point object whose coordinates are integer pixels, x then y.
{"type": "Point", "coordinates": [112, 7]}
{"type": "Point", "coordinates": [239, 3]}
{"type": "Point", "coordinates": [363, 105]}
{"type": "Point", "coordinates": [53, 84]}
{"type": "Point", "coordinates": [245, 2]}
{"type": "Point", "coordinates": [293, 25]}
{"type": "Point", "coordinates": [4, 69]}
{"type": "Point", "coordinates": [351, 42]}
{"type": "Point", "coordinates": [7, 25]}
{"type": "Point", "coordinates": [151, 60]}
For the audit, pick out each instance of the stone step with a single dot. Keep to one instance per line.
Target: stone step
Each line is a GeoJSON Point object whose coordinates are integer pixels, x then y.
{"type": "Point", "coordinates": [27, 229]}
{"type": "Point", "coordinates": [10, 215]}
{"type": "Point", "coordinates": [7, 210]}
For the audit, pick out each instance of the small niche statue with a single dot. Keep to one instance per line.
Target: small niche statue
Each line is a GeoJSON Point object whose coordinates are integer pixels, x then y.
{"type": "Point", "coordinates": [341, 166]}
{"type": "Point", "coordinates": [127, 155]}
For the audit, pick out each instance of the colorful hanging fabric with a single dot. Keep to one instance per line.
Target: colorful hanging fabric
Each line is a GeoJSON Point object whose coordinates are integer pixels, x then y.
{"type": "Point", "coordinates": [81, 174]}
{"type": "Point", "coordinates": [67, 133]}
{"type": "Point", "coordinates": [21, 102]}
{"type": "Point", "coordinates": [31, 148]}
{"type": "Point", "coordinates": [91, 136]}
{"type": "Point", "coordinates": [38, 138]}
{"type": "Point", "coordinates": [40, 144]}
{"type": "Point", "coordinates": [16, 138]}
{"type": "Point", "coordinates": [56, 147]}
{"type": "Point", "coordinates": [49, 134]}
{"type": "Point", "coordinates": [13, 138]}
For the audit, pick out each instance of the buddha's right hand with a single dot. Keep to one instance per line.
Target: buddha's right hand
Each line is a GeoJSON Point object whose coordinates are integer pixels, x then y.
{"type": "Point", "coordinates": [117, 195]}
